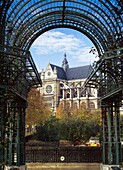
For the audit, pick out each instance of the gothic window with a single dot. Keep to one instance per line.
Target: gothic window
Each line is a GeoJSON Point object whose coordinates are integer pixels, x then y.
{"type": "Point", "coordinates": [61, 90]}
{"type": "Point", "coordinates": [68, 105]}
{"type": "Point", "coordinates": [61, 93]}
{"type": "Point", "coordinates": [90, 93]}
{"type": "Point", "coordinates": [61, 85]}
{"type": "Point", "coordinates": [75, 105]}
{"type": "Point", "coordinates": [83, 93]}
{"type": "Point", "coordinates": [83, 105]}
{"type": "Point", "coordinates": [49, 73]}
{"type": "Point", "coordinates": [68, 93]}
{"type": "Point", "coordinates": [48, 88]}
{"type": "Point", "coordinates": [61, 105]}
{"type": "Point", "coordinates": [75, 92]}
{"type": "Point", "coordinates": [91, 105]}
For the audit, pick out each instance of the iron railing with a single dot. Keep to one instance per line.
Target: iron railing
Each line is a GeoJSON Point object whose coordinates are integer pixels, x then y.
{"type": "Point", "coordinates": [64, 154]}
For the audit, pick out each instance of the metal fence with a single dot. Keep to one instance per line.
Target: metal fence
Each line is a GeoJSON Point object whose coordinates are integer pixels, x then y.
{"type": "Point", "coordinates": [64, 154]}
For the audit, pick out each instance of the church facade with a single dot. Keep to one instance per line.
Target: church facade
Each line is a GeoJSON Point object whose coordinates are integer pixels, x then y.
{"type": "Point", "coordinates": [64, 86]}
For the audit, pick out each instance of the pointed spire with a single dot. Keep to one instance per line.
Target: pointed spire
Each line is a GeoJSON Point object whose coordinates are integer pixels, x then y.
{"type": "Point", "coordinates": [65, 64]}
{"type": "Point", "coordinates": [65, 55]}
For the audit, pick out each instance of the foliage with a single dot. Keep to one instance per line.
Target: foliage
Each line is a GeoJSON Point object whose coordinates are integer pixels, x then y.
{"type": "Point", "coordinates": [37, 110]}
{"type": "Point", "coordinates": [80, 113]}
{"type": "Point", "coordinates": [79, 126]}
{"type": "Point", "coordinates": [48, 131]}
{"type": "Point", "coordinates": [63, 113]}
{"type": "Point", "coordinates": [78, 129]}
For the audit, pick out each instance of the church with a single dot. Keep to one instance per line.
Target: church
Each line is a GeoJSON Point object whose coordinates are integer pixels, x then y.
{"type": "Point", "coordinates": [64, 86]}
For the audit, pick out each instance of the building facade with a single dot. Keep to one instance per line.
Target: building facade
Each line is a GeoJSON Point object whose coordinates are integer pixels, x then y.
{"type": "Point", "coordinates": [64, 86]}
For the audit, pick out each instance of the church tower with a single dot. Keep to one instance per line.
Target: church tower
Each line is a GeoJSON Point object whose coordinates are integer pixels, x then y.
{"type": "Point", "coordinates": [65, 64]}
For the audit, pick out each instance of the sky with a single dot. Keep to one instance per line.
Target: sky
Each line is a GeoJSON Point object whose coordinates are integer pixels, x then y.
{"type": "Point", "coordinates": [51, 46]}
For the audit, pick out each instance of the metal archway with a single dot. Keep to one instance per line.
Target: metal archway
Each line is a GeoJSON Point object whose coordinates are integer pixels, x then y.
{"type": "Point", "coordinates": [25, 20]}
{"type": "Point", "coordinates": [21, 22]}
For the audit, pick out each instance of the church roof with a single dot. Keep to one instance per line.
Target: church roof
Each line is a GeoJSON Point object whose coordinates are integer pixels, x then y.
{"type": "Point", "coordinates": [78, 72]}
{"type": "Point", "coordinates": [60, 72]}
{"type": "Point", "coordinates": [74, 73]}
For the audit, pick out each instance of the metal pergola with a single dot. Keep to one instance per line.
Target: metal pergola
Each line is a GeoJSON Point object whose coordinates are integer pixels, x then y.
{"type": "Point", "coordinates": [21, 23]}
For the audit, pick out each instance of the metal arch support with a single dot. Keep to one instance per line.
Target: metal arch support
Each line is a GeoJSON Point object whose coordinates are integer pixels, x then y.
{"type": "Point", "coordinates": [73, 24]}
{"type": "Point", "coordinates": [111, 152]}
{"type": "Point", "coordinates": [15, 144]}
{"type": "Point", "coordinates": [97, 45]}
{"type": "Point", "coordinates": [38, 22]}
{"type": "Point", "coordinates": [82, 21]}
{"type": "Point", "coordinates": [76, 9]}
{"type": "Point", "coordinates": [63, 12]}
{"type": "Point", "coordinates": [18, 74]}
{"type": "Point", "coordinates": [109, 67]}
{"type": "Point", "coordinates": [88, 4]}
{"type": "Point", "coordinates": [110, 17]}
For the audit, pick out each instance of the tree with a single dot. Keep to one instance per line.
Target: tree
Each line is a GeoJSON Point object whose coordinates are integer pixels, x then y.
{"type": "Point", "coordinates": [48, 131]}
{"type": "Point", "coordinates": [70, 124]}
{"type": "Point", "coordinates": [63, 113]}
{"type": "Point", "coordinates": [80, 113]}
{"type": "Point", "coordinates": [37, 110]}
{"type": "Point", "coordinates": [81, 124]}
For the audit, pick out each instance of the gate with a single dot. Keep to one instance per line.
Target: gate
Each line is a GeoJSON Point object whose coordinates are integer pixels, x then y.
{"type": "Point", "coordinates": [66, 154]}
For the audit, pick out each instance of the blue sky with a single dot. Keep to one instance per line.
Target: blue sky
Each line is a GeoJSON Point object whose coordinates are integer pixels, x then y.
{"type": "Point", "coordinates": [51, 46]}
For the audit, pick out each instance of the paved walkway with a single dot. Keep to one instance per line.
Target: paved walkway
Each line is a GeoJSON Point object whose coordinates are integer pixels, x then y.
{"type": "Point", "coordinates": [63, 166]}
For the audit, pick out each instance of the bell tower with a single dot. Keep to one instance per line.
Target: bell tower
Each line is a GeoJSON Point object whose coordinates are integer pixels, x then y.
{"type": "Point", "coordinates": [65, 64]}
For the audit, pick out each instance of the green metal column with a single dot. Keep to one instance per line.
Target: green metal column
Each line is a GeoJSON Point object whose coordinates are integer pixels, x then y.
{"type": "Point", "coordinates": [109, 136]}
{"type": "Point", "coordinates": [1, 135]}
{"type": "Point", "coordinates": [111, 145]}
{"type": "Point", "coordinates": [118, 153]}
{"type": "Point", "coordinates": [21, 134]}
{"type": "Point", "coordinates": [15, 152]}
{"type": "Point", "coordinates": [2, 125]}
{"type": "Point", "coordinates": [104, 126]}
{"type": "Point", "coordinates": [18, 136]}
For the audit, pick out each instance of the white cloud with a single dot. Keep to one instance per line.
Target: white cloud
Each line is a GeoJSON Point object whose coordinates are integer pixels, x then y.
{"type": "Point", "coordinates": [84, 55]}
{"type": "Point", "coordinates": [56, 43]}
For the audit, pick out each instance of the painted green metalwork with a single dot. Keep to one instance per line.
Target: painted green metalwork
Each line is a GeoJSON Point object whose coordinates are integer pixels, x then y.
{"type": "Point", "coordinates": [15, 133]}
{"type": "Point", "coordinates": [18, 74]}
{"type": "Point", "coordinates": [21, 22]}
{"type": "Point", "coordinates": [100, 21]}
{"type": "Point", "coordinates": [107, 77]}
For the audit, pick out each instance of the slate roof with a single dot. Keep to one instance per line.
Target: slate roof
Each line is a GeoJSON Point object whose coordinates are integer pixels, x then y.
{"type": "Point", "coordinates": [74, 73]}
{"type": "Point", "coordinates": [81, 72]}
{"type": "Point", "coordinates": [60, 72]}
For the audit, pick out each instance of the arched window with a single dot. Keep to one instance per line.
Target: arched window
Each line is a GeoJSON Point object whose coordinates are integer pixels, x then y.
{"type": "Point", "coordinates": [83, 105]}
{"type": "Point", "coordinates": [75, 105]}
{"type": "Point", "coordinates": [91, 105]}
{"type": "Point", "coordinates": [61, 90]}
{"type": "Point", "coordinates": [83, 93]}
{"type": "Point", "coordinates": [61, 105]}
{"type": "Point", "coordinates": [68, 93]}
{"type": "Point", "coordinates": [61, 93]}
{"type": "Point", "coordinates": [75, 92]}
{"type": "Point", "coordinates": [68, 105]}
